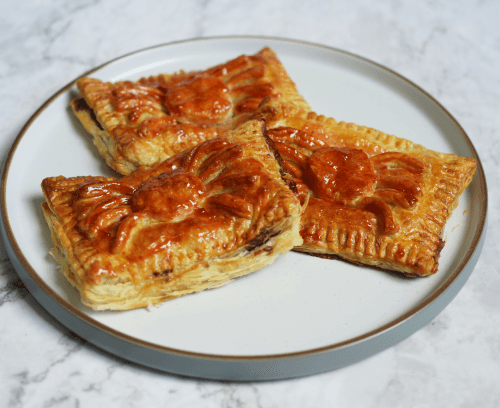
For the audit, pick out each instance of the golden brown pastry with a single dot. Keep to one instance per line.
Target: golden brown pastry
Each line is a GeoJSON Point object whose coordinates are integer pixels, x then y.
{"type": "Point", "coordinates": [142, 123]}
{"type": "Point", "coordinates": [205, 216]}
{"type": "Point", "coordinates": [372, 198]}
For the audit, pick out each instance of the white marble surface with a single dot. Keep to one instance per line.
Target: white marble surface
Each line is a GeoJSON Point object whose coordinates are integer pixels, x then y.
{"type": "Point", "coordinates": [450, 49]}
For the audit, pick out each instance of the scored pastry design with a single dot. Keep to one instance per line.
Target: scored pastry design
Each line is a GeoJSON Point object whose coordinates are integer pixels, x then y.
{"type": "Point", "coordinates": [142, 123]}
{"type": "Point", "coordinates": [372, 198]}
{"type": "Point", "coordinates": [203, 217]}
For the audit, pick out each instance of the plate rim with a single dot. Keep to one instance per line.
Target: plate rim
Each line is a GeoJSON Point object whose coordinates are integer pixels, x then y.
{"type": "Point", "coordinates": [18, 253]}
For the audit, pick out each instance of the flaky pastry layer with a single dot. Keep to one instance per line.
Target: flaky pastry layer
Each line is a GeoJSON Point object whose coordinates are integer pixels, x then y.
{"type": "Point", "coordinates": [372, 198]}
{"type": "Point", "coordinates": [217, 211]}
{"type": "Point", "coordinates": [142, 123]}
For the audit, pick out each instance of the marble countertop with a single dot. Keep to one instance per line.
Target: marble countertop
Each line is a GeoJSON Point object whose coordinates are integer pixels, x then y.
{"type": "Point", "coordinates": [450, 49]}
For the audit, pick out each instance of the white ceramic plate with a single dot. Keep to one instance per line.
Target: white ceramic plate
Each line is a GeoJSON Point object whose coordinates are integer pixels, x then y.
{"type": "Point", "coordinates": [302, 314]}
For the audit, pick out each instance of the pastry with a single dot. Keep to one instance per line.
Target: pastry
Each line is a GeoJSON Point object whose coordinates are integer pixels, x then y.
{"type": "Point", "coordinates": [142, 123]}
{"type": "Point", "coordinates": [201, 218]}
{"type": "Point", "coordinates": [372, 198]}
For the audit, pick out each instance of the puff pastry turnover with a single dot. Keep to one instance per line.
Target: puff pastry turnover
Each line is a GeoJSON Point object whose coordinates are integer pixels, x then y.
{"type": "Point", "coordinates": [203, 217]}
{"type": "Point", "coordinates": [372, 198]}
{"type": "Point", "coordinates": [142, 123]}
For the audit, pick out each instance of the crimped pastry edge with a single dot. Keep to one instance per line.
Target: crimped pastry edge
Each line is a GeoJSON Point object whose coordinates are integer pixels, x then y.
{"type": "Point", "coordinates": [278, 113]}
{"type": "Point", "coordinates": [224, 268]}
{"type": "Point", "coordinates": [138, 151]}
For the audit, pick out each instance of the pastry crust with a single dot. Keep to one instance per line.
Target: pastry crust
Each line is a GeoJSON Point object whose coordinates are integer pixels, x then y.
{"type": "Point", "coordinates": [372, 198]}
{"type": "Point", "coordinates": [142, 123]}
{"type": "Point", "coordinates": [203, 217]}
